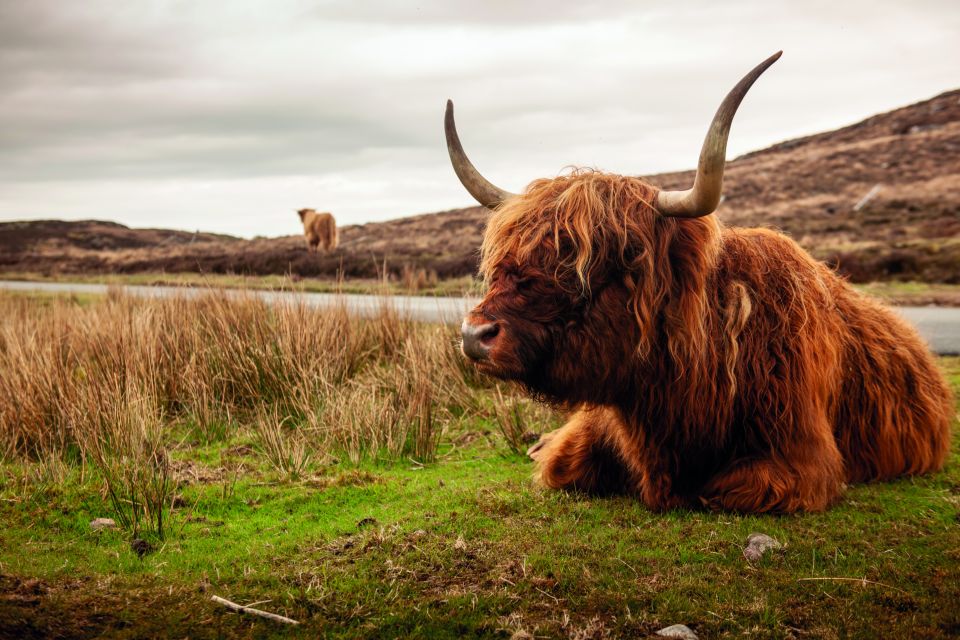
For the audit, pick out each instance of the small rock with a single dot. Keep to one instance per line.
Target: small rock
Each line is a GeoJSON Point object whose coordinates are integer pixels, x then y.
{"type": "Point", "coordinates": [419, 533]}
{"type": "Point", "coordinates": [99, 524]}
{"type": "Point", "coordinates": [460, 544]}
{"type": "Point", "coordinates": [758, 544]}
{"type": "Point", "coordinates": [140, 547]}
{"type": "Point", "coordinates": [681, 631]}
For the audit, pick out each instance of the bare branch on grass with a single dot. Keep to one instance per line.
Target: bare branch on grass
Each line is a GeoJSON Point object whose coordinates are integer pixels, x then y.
{"type": "Point", "coordinates": [239, 608]}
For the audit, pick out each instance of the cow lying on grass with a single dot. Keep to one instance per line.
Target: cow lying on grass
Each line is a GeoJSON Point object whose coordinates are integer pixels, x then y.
{"type": "Point", "coordinates": [706, 366]}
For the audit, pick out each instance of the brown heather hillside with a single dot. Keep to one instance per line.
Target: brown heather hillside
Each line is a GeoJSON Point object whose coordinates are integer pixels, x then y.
{"type": "Point", "coordinates": [809, 188]}
{"type": "Point", "coordinates": [806, 187]}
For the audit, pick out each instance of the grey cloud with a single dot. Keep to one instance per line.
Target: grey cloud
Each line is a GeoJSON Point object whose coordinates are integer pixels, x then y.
{"type": "Point", "coordinates": [101, 100]}
{"type": "Point", "coordinates": [51, 43]}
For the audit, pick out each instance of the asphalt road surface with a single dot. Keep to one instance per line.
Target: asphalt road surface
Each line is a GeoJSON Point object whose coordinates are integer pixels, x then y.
{"type": "Point", "coordinates": [940, 326]}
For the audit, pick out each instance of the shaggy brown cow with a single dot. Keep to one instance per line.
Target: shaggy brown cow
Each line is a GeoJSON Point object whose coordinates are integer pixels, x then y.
{"type": "Point", "coordinates": [706, 366]}
{"type": "Point", "coordinates": [320, 230]}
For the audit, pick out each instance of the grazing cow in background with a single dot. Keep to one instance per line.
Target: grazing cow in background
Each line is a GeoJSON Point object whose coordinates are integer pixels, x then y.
{"type": "Point", "coordinates": [320, 230]}
{"type": "Point", "coordinates": [705, 366]}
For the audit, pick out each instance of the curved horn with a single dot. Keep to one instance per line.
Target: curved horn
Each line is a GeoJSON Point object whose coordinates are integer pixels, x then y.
{"type": "Point", "coordinates": [704, 197]}
{"type": "Point", "coordinates": [485, 193]}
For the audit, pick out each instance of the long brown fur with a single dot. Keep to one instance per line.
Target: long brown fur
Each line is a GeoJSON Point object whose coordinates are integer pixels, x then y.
{"type": "Point", "coordinates": [319, 229]}
{"type": "Point", "coordinates": [706, 366]}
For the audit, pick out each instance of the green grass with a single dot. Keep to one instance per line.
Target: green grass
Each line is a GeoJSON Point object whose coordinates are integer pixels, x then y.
{"type": "Point", "coordinates": [466, 546]}
{"type": "Point", "coordinates": [913, 293]}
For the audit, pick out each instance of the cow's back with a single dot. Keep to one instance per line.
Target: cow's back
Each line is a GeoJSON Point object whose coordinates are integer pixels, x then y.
{"type": "Point", "coordinates": [889, 405]}
{"type": "Point", "coordinates": [893, 412]}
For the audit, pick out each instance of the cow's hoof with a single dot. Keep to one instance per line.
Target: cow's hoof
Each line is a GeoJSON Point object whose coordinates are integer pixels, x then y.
{"type": "Point", "coordinates": [536, 450]}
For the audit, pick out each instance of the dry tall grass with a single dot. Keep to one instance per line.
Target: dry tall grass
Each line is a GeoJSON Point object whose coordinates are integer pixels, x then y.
{"type": "Point", "coordinates": [77, 376]}
{"type": "Point", "coordinates": [109, 384]}
{"type": "Point", "coordinates": [520, 421]}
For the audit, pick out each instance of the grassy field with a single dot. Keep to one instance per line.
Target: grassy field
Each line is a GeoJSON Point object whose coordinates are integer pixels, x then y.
{"type": "Point", "coordinates": [356, 477]}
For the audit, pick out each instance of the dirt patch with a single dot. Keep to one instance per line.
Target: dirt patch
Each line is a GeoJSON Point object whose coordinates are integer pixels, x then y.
{"type": "Point", "coordinates": [191, 472]}
{"type": "Point", "coordinates": [240, 451]}
{"type": "Point", "coordinates": [352, 478]}
{"type": "Point", "coordinates": [25, 591]}
{"type": "Point", "coordinates": [86, 608]}
{"type": "Point", "coordinates": [30, 608]}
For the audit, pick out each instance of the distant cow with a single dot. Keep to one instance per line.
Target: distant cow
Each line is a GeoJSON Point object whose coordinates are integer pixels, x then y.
{"type": "Point", "coordinates": [320, 230]}
{"type": "Point", "coordinates": [707, 366]}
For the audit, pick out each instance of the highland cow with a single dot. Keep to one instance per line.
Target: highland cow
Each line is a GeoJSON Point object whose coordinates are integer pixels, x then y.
{"type": "Point", "coordinates": [705, 366]}
{"type": "Point", "coordinates": [319, 229]}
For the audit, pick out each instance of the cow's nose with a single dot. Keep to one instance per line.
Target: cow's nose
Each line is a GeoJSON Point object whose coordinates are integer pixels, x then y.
{"type": "Point", "coordinates": [478, 339]}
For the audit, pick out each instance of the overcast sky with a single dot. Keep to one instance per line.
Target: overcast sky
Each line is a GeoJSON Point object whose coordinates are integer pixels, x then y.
{"type": "Point", "coordinates": [228, 116]}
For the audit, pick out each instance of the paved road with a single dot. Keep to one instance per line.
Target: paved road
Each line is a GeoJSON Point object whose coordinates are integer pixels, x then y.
{"type": "Point", "coordinates": [940, 326]}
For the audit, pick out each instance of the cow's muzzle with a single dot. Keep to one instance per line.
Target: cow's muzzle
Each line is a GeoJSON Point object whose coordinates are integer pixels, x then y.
{"type": "Point", "coordinates": [478, 339]}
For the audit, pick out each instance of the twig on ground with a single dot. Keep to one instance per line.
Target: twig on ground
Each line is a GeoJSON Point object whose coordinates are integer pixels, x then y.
{"type": "Point", "coordinates": [549, 595]}
{"type": "Point", "coordinates": [239, 608]}
{"type": "Point", "coordinates": [862, 581]}
{"type": "Point", "coordinates": [621, 561]}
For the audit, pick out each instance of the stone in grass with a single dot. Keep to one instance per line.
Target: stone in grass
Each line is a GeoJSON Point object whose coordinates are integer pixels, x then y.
{"type": "Point", "coordinates": [99, 524]}
{"type": "Point", "coordinates": [681, 631]}
{"type": "Point", "coordinates": [758, 544]}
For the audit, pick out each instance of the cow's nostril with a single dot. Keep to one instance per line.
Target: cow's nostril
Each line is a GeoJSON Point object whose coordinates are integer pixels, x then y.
{"type": "Point", "coordinates": [488, 332]}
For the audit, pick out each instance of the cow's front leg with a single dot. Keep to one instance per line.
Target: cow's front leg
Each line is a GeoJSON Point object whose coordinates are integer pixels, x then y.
{"type": "Point", "coordinates": [581, 455]}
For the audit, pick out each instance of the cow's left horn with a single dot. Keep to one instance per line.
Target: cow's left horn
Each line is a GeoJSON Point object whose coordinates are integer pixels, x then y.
{"type": "Point", "coordinates": [704, 197]}
{"type": "Point", "coordinates": [479, 187]}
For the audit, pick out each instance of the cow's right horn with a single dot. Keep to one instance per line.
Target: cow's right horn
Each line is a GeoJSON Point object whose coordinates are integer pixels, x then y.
{"type": "Point", "coordinates": [479, 187]}
{"type": "Point", "coordinates": [704, 197]}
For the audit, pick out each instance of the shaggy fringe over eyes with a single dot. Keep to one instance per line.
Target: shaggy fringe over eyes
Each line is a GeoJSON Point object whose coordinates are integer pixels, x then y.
{"type": "Point", "coordinates": [590, 223]}
{"type": "Point", "coordinates": [600, 215]}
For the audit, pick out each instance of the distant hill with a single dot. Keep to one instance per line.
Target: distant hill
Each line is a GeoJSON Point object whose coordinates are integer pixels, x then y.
{"type": "Point", "coordinates": [809, 188]}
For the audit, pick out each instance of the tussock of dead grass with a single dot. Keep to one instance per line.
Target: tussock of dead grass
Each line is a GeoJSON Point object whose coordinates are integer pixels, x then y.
{"type": "Point", "coordinates": [108, 384]}
{"type": "Point", "coordinates": [520, 422]}
{"type": "Point", "coordinates": [82, 377]}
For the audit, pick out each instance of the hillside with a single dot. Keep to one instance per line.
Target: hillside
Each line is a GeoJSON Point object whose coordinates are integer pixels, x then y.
{"type": "Point", "coordinates": [809, 188]}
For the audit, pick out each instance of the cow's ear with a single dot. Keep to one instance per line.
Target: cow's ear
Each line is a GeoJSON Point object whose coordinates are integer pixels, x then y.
{"type": "Point", "coordinates": [301, 213]}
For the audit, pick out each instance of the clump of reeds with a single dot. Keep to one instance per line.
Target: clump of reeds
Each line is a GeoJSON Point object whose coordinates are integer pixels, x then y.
{"type": "Point", "coordinates": [110, 380]}
{"type": "Point", "coordinates": [285, 447]}
{"type": "Point", "coordinates": [119, 429]}
{"type": "Point", "coordinates": [520, 420]}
